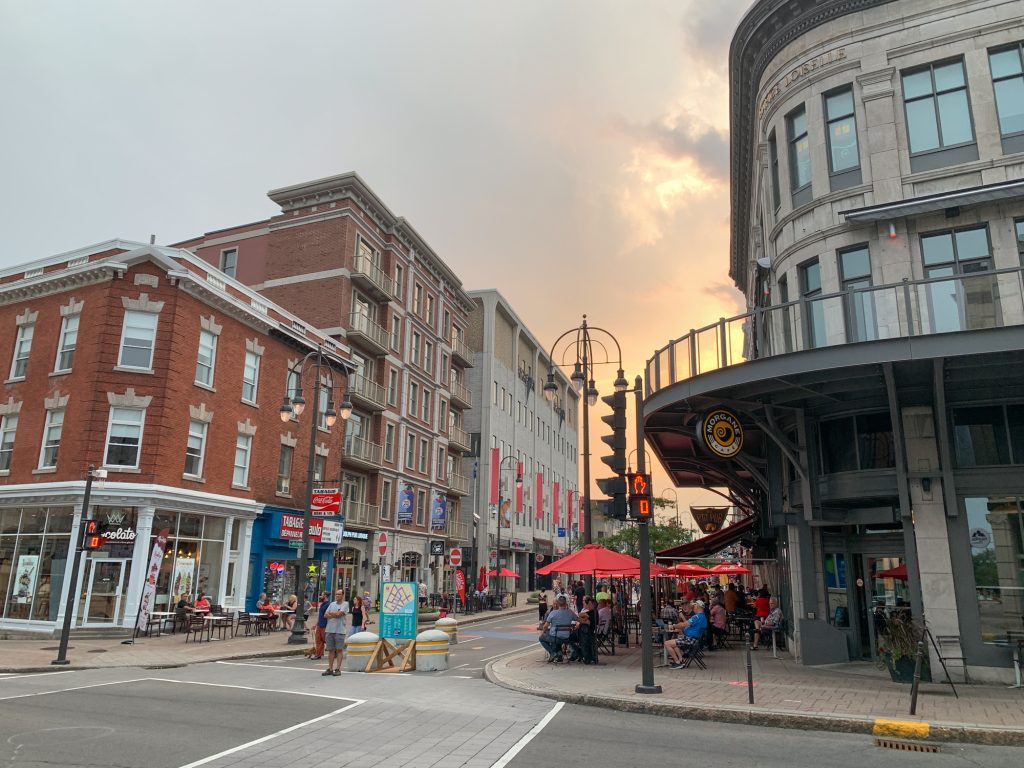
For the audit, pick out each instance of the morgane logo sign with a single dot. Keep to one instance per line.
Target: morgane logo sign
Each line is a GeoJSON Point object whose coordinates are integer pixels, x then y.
{"type": "Point", "coordinates": [326, 502]}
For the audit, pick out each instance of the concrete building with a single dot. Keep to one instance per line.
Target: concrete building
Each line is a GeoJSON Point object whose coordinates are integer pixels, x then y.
{"type": "Point", "coordinates": [877, 233]}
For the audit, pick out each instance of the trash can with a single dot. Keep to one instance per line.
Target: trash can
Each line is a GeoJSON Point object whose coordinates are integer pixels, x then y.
{"type": "Point", "coordinates": [431, 651]}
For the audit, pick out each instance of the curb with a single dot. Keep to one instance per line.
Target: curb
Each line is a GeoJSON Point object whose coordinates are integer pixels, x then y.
{"type": "Point", "coordinates": [906, 729]}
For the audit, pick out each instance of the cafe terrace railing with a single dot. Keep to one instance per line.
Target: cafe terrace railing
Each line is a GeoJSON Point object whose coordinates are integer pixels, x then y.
{"type": "Point", "coordinates": [945, 304]}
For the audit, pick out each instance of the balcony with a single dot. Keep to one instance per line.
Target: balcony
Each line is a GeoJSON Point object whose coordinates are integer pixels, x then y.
{"type": "Point", "coordinates": [459, 531]}
{"type": "Point", "coordinates": [462, 352]}
{"type": "Point", "coordinates": [360, 452]}
{"type": "Point", "coordinates": [458, 438]}
{"type": "Point", "coordinates": [370, 278]}
{"type": "Point", "coordinates": [911, 308]}
{"type": "Point", "coordinates": [363, 331]}
{"type": "Point", "coordinates": [365, 392]}
{"type": "Point", "coordinates": [458, 483]}
{"type": "Point", "coordinates": [461, 395]}
{"type": "Point", "coordinates": [359, 514]}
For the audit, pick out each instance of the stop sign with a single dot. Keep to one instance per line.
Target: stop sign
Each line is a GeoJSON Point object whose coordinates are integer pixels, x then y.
{"type": "Point", "coordinates": [455, 557]}
{"type": "Point", "coordinates": [382, 543]}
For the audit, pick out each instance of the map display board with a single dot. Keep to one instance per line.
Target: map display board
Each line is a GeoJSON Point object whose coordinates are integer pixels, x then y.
{"type": "Point", "coordinates": [398, 610]}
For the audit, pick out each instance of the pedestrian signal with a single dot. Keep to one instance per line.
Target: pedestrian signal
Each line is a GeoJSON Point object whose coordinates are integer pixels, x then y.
{"type": "Point", "coordinates": [640, 506]}
{"type": "Point", "coordinates": [93, 537]}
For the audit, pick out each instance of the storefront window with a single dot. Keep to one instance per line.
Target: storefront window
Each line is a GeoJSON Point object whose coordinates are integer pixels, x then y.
{"type": "Point", "coordinates": [996, 538]}
{"type": "Point", "coordinates": [32, 564]}
{"type": "Point", "coordinates": [194, 556]}
{"type": "Point", "coordinates": [835, 588]}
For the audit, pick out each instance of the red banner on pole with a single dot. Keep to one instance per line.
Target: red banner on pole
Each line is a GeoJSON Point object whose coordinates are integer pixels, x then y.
{"type": "Point", "coordinates": [519, 488]}
{"type": "Point", "coordinates": [460, 585]}
{"type": "Point", "coordinates": [540, 496]}
{"type": "Point", "coordinates": [568, 512]}
{"type": "Point", "coordinates": [583, 516]}
{"type": "Point", "coordinates": [495, 460]}
{"type": "Point", "coordinates": [555, 490]}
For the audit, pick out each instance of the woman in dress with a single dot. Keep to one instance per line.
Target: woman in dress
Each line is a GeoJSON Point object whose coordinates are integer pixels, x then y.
{"type": "Point", "coordinates": [359, 617]}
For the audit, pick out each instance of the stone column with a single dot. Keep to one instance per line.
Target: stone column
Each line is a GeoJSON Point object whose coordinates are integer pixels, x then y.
{"type": "Point", "coordinates": [222, 583]}
{"type": "Point", "coordinates": [76, 523]}
{"type": "Point", "coordinates": [241, 586]}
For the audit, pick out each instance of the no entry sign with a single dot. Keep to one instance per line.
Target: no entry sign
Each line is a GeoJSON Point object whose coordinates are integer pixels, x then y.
{"type": "Point", "coordinates": [382, 543]}
{"type": "Point", "coordinates": [455, 557]}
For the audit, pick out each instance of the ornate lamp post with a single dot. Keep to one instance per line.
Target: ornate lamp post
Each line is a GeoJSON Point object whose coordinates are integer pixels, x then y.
{"type": "Point", "coordinates": [294, 405]}
{"type": "Point", "coordinates": [501, 503]}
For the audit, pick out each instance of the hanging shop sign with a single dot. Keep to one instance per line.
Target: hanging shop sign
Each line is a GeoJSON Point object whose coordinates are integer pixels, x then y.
{"type": "Point", "coordinates": [291, 528]}
{"type": "Point", "coordinates": [721, 433]}
{"type": "Point", "coordinates": [333, 531]}
{"type": "Point", "coordinates": [325, 502]}
{"type": "Point", "coordinates": [357, 535]}
{"type": "Point", "coordinates": [709, 519]}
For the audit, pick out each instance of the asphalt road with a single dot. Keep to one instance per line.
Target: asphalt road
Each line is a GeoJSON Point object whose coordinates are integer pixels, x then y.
{"type": "Point", "coordinates": [283, 712]}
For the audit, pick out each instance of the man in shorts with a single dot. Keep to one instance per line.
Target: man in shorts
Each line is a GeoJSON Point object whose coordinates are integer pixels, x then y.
{"type": "Point", "coordinates": [335, 633]}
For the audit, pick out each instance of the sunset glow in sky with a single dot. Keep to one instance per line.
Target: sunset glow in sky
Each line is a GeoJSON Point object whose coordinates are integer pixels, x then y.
{"type": "Point", "coordinates": [573, 155]}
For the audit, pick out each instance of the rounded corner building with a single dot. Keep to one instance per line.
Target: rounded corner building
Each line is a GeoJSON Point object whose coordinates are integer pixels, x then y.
{"type": "Point", "coordinates": [877, 170]}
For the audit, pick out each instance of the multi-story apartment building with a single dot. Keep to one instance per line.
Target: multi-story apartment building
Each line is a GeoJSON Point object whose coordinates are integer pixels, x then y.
{"type": "Point", "coordinates": [145, 362]}
{"type": "Point", "coordinates": [528, 472]}
{"type": "Point", "coordinates": [339, 258]}
{"type": "Point", "coordinates": [877, 232]}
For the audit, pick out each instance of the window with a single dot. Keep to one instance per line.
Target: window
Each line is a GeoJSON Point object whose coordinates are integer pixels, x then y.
{"type": "Point", "coordinates": [425, 405]}
{"type": "Point", "coordinates": [441, 465]}
{"type": "Point", "coordinates": [250, 377]}
{"type": "Point", "coordinates": [966, 303]}
{"type": "Point", "coordinates": [124, 436]}
{"type": "Point", "coordinates": [430, 310]}
{"type": "Point", "coordinates": [1019, 229]}
{"type": "Point", "coordinates": [396, 334]}
{"type": "Point", "coordinates": [994, 531]}
{"type": "Point", "coordinates": [841, 129]}
{"type": "Point", "coordinates": [229, 261]}
{"type": "Point", "coordinates": [51, 438]}
{"type": "Point", "coordinates": [22, 350]}
{"type": "Point", "coordinates": [424, 456]}
{"type": "Point", "coordinates": [195, 448]}
{"type": "Point", "coordinates": [8, 428]}
{"type": "Point", "coordinates": [410, 451]}
{"type": "Point", "coordinates": [414, 397]}
{"type": "Point", "coordinates": [810, 288]}
{"type": "Point", "coordinates": [205, 358]}
{"type": "Point", "coordinates": [319, 469]}
{"type": "Point", "coordinates": [138, 337]}
{"type": "Point", "coordinates": [243, 447]}
{"type": "Point", "coordinates": [421, 507]}
{"type": "Point", "coordinates": [428, 357]}
{"type": "Point", "coordinates": [389, 442]}
{"type": "Point", "coordinates": [857, 443]}
{"type": "Point", "coordinates": [494, 391]}
{"type": "Point", "coordinates": [854, 275]}
{"type": "Point", "coordinates": [773, 159]}
{"type": "Point", "coordinates": [400, 281]}
{"type": "Point", "coordinates": [417, 299]}
{"type": "Point", "coordinates": [66, 343]}
{"type": "Point", "coordinates": [799, 154]}
{"type": "Point", "coordinates": [938, 112]}
{"type": "Point", "coordinates": [980, 436]}
{"type": "Point", "coordinates": [392, 387]}
{"type": "Point", "coordinates": [1008, 83]}
{"type": "Point", "coordinates": [446, 323]}
{"type": "Point", "coordinates": [385, 499]}
{"type": "Point", "coordinates": [284, 469]}
{"type": "Point", "coordinates": [324, 392]}
{"type": "Point", "coordinates": [416, 349]}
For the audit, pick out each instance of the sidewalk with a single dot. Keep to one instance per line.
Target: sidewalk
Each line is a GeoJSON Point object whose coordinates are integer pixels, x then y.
{"type": "Point", "coordinates": [35, 655]}
{"type": "Point", "coordinates": [853, 698]}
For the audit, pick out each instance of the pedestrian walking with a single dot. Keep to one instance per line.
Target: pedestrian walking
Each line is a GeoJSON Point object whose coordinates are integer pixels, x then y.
{"type": "Point", "coordinates": [335, 633]}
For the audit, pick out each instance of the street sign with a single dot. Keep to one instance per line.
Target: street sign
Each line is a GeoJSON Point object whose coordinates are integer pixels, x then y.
{"type": "Point", "coordinates": [561, 533]}
{"type": "Point", "coordinates": [494, 554]}
{"type": "Point", "coordinates": [455, 557]}
{"type": "Point", "coordinates": [325, 502]}
{"type": "Point", "coordinates": [382, 543]}
{"type": "Point", "coordinates": [436, 547]}
{"type": "Point", "coordinates": [295, 544]}
{"type": "Point", "coordinates": [539, 557]}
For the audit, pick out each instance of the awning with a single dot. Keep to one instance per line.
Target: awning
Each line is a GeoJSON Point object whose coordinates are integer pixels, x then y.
{"type": "Point", "coordinates": [715, 542]}
{"type": "Point", "coordinates": [961, 198]}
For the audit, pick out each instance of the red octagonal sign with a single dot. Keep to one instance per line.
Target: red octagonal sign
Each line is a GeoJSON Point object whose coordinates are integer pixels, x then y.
{"type": "Point", "coordinates": [455, 557]}
{"type": "Point", "coordinates": [382, 543]}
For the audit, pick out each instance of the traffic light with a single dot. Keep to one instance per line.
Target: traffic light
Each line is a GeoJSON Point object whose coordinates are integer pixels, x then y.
{"type": "Point", "coordinates": [640, 492]}
{"type": "Point", "coordinates": [615, 487]}
{"type": "Point", "coordinates": [93, 535]}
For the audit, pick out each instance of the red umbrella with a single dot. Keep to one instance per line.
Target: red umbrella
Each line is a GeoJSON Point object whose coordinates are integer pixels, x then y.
{"type": "Point", "coordinates": [656, 570]}
{"type": "Point", "coordinates": [729, 569]}
{"type": "Point", "coordinates": [899, 572]}
{"type": "Point", "coordinates": [687, 570]}
{"type": "Point", "coordinates": [504, 573]}
{"type": "Point", "coordinates": [592, 558]}
{"type": "Point", "coordinates": [481, 582]}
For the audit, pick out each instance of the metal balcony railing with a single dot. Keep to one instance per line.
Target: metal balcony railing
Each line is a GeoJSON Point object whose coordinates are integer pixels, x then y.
{"type": "Point", "coordinates": [371, 391]}
{"type": "Point", "coordinates": [459, 438]}
{"type": "Point", "coordinates": [458, 531]}
{"type": "Point", "coordinates": [365, 267]}
{"type": "Point", "coordinates": [458, 483]}
{"type": "Point", "coordinates": [358, 513]}
{"type": "Point", "coordinates": [462, 350]}
{"type": "Point", "coordinates": [363, 325]}
{"type": "Point", "coordinates": [947, 304]}
{"type": "Point", "coordinates": [461, 393]}
{"type": "Point", "coordinates": [358, 449]}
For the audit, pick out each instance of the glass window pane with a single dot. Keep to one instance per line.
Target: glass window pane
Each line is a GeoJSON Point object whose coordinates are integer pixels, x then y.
{"type": "Point", "coordinates": [924, 133]}
{"type": "Point", "coordinates": [839, 104]}
{"type": "Point", "coordinates": [996, 539]}
{"type": "Point", "coordinates": [1010, 105]}
{"type": "Point", "coordinates": [937, 249]}
{"type": "Point", "coordinates": [875, 441]}
{"type": "Point", "coordinates": [843, 144]}
{"type": "Point", "coordinates": [972, 244]}
{"type": "Point", "coordinates": [855, 264]}
{"type": "Point", "coordinates": [838, 453]}
{"type": "Point", "coordinates": [1005, 63]}
{"type": "Point", "coordinates": [917, 84]}
{"type": "Point", "coordinates": [811, 274]}
{"type": "Point", "coordinates": [803, 162]}
{"type": "Point", "coordinates": [955, 118]}
{"type": "Point", "coordinates": [979, 436]}
{"type": "Point", "coordinates": [798, 123]}
{"type": "Point", "coordinates": [949, 76]}
{"type": "Point", "coordinates": [1015, 417]}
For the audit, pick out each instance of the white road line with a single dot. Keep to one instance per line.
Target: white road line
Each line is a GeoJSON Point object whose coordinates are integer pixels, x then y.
{"type": "Point", "coordinates": [518, 746]}
{"type": "Point", "coordinates": [36, 674]}
{"type": "Point", "coordinates": [258, 690]}
{"type": "Point", "coordinates": [458, 667]}
{"type": "Point", "coordinates": [240, 747]}
{"type": "Point", "coordinates": [515, 650]}
{"type": "Point", "coordinates": [462, 677]}
{"type": "Point", "coordinates": [68, 690]}
{"type": "Point", "coordinates": [304, 669]}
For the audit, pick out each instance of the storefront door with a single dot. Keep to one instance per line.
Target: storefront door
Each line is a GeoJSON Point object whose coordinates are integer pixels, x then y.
{"type": "Point", "coordinates": [104, 590]}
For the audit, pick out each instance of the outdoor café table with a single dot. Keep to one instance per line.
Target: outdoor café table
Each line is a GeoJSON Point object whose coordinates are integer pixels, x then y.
{"type": "Point", "coordinates": [745, 625]}
{"type": "Point", "coordinates": [668, 635]}
{"type": "Point", "coordinates": [162, 617]}
{"type": "Point", "coordinates": [281, 613]}
{"type": "Point", "coordinates": [213, 621]}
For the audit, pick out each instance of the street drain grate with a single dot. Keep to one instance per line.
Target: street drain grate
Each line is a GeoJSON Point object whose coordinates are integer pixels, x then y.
{"type": "Point", "coordinates": [906, 746]}
{"type": "Point", "coordinates": [97, 650]}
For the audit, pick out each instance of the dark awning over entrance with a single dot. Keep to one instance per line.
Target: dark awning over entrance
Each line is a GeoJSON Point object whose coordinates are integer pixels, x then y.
{"type": "Point", "coordinates": [715, 542]}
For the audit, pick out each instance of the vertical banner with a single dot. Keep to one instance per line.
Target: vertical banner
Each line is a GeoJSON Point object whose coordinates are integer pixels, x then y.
{"type": "Point", "coordinates": [439, 513]}
{"type": "Point", "coordinates": [568, 512]}
{"type": "Point", "coordinates": [583, 515]}
{"type": "Point", "coordinates": [519, 488]}
{"type": "Point", "coordinates": [149, 586]}
{"type": "Point", "coordinates": [555, 491]}
{"type": "Point", "coordinates": [405, 502]}
{"type": "Point", "coordinates": [540, 495]}
{"type": "Point", "coordinates": [460, 585]}
{"type": "Point", "coordinates": [495, 460]}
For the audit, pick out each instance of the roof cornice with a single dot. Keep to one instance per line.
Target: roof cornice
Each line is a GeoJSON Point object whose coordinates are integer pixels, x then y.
{"type": "Point", "coordinates": [766, 28]}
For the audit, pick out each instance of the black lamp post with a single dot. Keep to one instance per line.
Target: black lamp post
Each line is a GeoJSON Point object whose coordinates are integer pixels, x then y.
{"type": "Point", "coordinates": [501, 500]}
{"type": "Point", "coordinates": [295, 406]}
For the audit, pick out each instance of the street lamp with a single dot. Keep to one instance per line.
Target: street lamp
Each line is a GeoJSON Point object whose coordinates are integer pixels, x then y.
{"type": "Point", "coordinates": [583, 377]}
{"type": "Point", "coordinates": [296, 405]}
{"type": "Point", "coordinates": [675, 502]}
{"type": "Point", "coordinates": [511, 460]}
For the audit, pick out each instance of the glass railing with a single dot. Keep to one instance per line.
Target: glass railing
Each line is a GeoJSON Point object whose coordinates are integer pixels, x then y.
{"type": "Point", "coordinates": [945, 304]}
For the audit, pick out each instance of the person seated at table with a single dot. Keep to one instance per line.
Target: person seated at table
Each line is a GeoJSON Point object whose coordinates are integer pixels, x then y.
{"type": "Point", "coordinates": [584, 649]}
{"type": "Point", "coordinates": [262, 602]}
{"type": "Point", "coordinates": [763, 628]}
{"type": "Point", "coordinates": [202, 604]}
{"type": "Point", "coordinates": [690, 593]}
{"type": "Point", "coordinates": [741, 595]}
{"type": "Point", "coordinates": [291, 604]}
{"type": "Point", "coordinates": [685, 610]}
{"type": "Point", "coordinates": [731, 599]}
{"type": "Point", "coordinates": [719, 628]}
{"type": "Point", "coordinates": [604, 616]}
{"type": "Point", "coordinates": [181, 610]}
{"type": "Point", "coordinates": [668, 612]}
{"type": "Point", "coordinates": [691, 631]}
{"type": "Point", "coordinates": [557, 628]}
{"type": "Point", "coordinates": [761, 606]}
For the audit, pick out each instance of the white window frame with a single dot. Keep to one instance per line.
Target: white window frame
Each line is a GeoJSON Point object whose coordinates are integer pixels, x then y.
{"type": "Point", "coordinates": [110, 428]}
{"type": "Point", "coordinates": [243, 444]}
{"type": "Point", "coordinates": [233, 272]}
{"type": "Point", "coordinates": [414, 351]}
{"type": "Point", "coordinates": [201, 435]}
{"type": "Point", "coordinates": [414, 397]}
{"type": "Point", "coordinates": [22, 351]}
{"type": "Point", "coordinates": [425, 405]}
{"type": "Point", "coordinates": [255, 382]}
{"type": "Point", "coordinates": [205, 334]}
{"type": "Point", "coordinates": [319, 469]}
{"type": "Point", "coordinates": [48, 426]}
{"type": "Point", "coordinates": [128, 314]}
{"type": "Point", "coordinates": [285, 487]}
{"type": "Point", "coordinates": [424, 456]}
{"type": "Point", "coordinates": [385, 499]}
{"type": "Point", "coordinates": [428, 357]}
{"type": "Point", "coordinates": [68, 328]}
{"type": "Point", "coordinates": [421, 507]}
{"type": "Point", "coordinates": [410, 451]}
{"type": "Point", "coordinates": [8, 429]}
{"type": "Point", "coordinates": [389, 442]}
{"type": "Point", "coordinates": [393, 387]}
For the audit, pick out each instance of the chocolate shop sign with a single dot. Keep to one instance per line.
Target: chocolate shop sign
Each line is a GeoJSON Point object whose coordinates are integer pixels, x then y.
{"type": "Point", "coordinates": [795, 74]}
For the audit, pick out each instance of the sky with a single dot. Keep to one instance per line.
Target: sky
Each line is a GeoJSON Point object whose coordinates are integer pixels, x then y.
{"type": "Point", "coordinates": [573, 155]}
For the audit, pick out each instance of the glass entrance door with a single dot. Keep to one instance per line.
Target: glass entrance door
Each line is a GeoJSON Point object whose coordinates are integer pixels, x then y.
{"type": "Point", "coordinates": [103, 594]}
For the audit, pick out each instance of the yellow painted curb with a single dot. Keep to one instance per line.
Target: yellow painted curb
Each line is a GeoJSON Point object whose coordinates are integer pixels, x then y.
{"type": "Point", "coordinates": [908, 729]}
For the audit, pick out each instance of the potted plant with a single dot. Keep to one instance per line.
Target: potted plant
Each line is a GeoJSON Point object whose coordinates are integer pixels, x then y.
{"type": "Point", "coordinates": [897, 645]}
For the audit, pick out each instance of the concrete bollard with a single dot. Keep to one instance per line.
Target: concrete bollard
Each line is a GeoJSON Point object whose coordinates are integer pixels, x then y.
{"type": "Point", "coordinates": [358, 650]}
{"type": "Point", "coordinates": [450, 627]}
{"type": "Point", "coordinates": [432, 651]}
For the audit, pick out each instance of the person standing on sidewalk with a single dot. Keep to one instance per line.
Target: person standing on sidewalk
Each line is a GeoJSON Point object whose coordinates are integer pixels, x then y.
{"type": "Point", "coordinates": [335, 633]}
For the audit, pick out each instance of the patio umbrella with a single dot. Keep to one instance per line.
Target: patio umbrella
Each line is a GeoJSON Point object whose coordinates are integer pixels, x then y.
{"type": "Point", "coordinates": [899, 572]}
{"type": "Point", "coordinates": [687, 570]}
{"type": "Point", "coordinates": [504, 573]}
{"type": "Point", "coordinates": [656, 570]}
{"type": "Point", "coordinates": [481, 582]}
{"type": "Point", "coordinates": [729, 569]}
{"type": "Point", "coordinates": [592, 558]}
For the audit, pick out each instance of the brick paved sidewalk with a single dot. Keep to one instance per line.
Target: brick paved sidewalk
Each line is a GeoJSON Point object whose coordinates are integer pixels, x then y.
{"type": "Point", "coordinates": [849, 697]}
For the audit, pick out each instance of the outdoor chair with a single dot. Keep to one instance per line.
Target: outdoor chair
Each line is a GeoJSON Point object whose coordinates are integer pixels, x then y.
{"type": "Point", "coordinates": [196, 628]}
{"type": "Point", "coordinates": [695, 652]}
{"type": "Point", "coordinates": [220, 624]}
{"type": "Point", "coordinates": [568, 643]}
{"type": "Point", "coordinates": [246, 622]}
{"type": "Point", "coordinates": [779, 638]}
{"type": "Point", "coordinates": [605, 637]}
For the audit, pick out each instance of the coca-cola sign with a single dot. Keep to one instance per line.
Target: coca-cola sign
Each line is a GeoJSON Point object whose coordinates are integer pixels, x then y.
{"type": "Point", "coordinates": [325, 502]}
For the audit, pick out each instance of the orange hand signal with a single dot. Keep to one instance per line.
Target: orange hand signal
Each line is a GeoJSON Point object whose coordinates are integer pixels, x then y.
{"type": "Point", "coordinates": [639, 484]}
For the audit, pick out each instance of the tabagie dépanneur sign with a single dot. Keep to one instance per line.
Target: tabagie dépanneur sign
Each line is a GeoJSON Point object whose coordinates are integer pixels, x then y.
{"type": "Point", "coordinates": [326, 502]}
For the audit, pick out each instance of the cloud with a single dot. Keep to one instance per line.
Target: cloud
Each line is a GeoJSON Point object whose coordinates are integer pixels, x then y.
{"type": "Point", "coordinates": [727, 294]}
{"type": "Point", "coordinates": [681, 135]}
{"type": "Point", "coordinates": [708, 29]}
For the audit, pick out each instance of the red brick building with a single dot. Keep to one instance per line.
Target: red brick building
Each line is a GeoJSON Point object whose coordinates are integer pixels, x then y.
{"type": "Point", "coordinates": [145, 362]}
